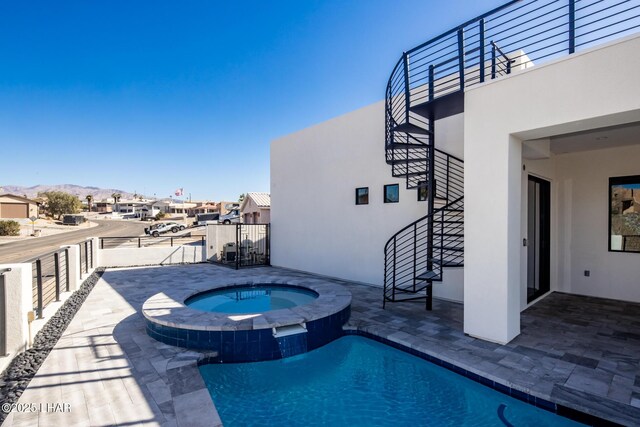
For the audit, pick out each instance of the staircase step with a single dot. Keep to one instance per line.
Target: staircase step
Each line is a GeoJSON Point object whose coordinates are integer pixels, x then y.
{"type": "Point", "coordinates": [404, 145]}
{"type": "Point", "coordinates": [447, 263]}
{"type": "Point", "coordinates": [441, 107]}
{"type": "Point", "coordinates": [429, 275]}
{"type": "Point", "coordinates": [402, 161]}
{"type": "Point", "coordinates": [449, 221]}
{"type": "Point", "coordinates": [411, 128]}
{"type": "Point", "coordinates": [450, 248]}
{"type": "Point", "coordinates": [415, 173]}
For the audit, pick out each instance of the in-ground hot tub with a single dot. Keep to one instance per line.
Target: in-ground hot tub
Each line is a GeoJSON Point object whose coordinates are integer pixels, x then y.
{"type": "Point", "coordinates": [251, 299]}
{"type": "Point", "coordinates": [248, 322]}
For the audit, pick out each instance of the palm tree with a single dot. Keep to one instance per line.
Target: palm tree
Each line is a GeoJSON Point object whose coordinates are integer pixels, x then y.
{"type": "Point", "coordinates": [89, 201]}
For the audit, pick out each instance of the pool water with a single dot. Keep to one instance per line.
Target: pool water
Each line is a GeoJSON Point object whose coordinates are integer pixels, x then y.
{"type": "Point", "coordinates": [251, 299]}
{"type": "Point", "coordinates": [355, 381]}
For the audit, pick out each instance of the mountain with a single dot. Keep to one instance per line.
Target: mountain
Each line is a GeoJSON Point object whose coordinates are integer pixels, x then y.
{"type": "Point", "coordinates": [78, 190]}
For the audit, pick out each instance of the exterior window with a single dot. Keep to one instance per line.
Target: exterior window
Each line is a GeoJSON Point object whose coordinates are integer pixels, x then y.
{"type": "Point", "coordinates": [423, 192]}
{"type": "Point", "coordinates": [624, 214]}
{"type": "Point", "coordinates": [362, 196]}
{"type": "Point", "coordinates": [392, 193]}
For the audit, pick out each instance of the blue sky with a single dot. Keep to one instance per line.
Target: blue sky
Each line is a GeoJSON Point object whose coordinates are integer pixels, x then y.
{"type": "Point", "coordinates": [152, 96]}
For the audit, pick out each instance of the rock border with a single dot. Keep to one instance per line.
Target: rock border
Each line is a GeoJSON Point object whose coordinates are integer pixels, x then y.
{"type": "Point", "coordinates": [17, 376]}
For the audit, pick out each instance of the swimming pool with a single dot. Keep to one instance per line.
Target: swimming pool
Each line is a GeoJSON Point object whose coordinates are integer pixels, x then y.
{"type": "Point", "coordinates": [251, 299]}
{"type": "Point", "coordinates": [355, 381]}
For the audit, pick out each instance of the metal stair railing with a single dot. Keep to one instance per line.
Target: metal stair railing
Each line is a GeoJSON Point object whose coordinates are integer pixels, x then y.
{"type": "Point", "coordinates": [412, 252]}
{"type": "Point", "coordinates": [527, 32]}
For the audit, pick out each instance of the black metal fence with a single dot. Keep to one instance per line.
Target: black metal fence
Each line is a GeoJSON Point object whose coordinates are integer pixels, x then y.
{"type": "Point", "coordinates": [147, 241]}
{"type": "Point", "coordinates": [86, 255]}
{"type": "Point", "coordinates": [50, 276]}
{"type": "Point", "coordinates": [240, 245]}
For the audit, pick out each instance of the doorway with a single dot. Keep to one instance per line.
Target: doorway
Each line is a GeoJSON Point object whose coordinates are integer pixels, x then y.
{"type": "Point", "coordinates": [538, 237]}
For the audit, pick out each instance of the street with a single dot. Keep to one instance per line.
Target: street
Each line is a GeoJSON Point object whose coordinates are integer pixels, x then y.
{"type": "Point", "coordinates": [23, 250]}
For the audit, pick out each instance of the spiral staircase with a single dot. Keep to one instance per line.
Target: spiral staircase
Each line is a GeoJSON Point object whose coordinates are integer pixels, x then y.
{"type": "Point", "coordinates": [427, 85]}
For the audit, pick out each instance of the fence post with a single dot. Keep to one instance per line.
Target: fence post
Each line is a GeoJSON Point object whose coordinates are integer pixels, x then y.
{"type": "Point", "coordinates": [237, 246]}
{"type": "Point", "coordinates": [572, 26]}
{"type": "Point", "coordinates": [493, 61]}
{"type": "Point", "coordinates": [74, 268]}
{"type": "Point", "coordinates": [39, 287]}
{"type": "Point", "coordinates": [91, 246]}
{"type": "Point", "coordinates": [56, 266]}
{"type": "Point", "coordinates": [431, 82]}
{"type": "Point", "coordinates": [86, 257]}
{"type": "Point", "coordinates": [139, 242]}
{"type": "Point", "coordinates": [66, 262]}
{"type": "Point", "coordinates": [461, 57]}
{"type": "Point", "coordinates": [171, 241]}
{"type": "Point", "coordinates": [481, 31]}
{"type": "Point", "coordinates": [268, 245]}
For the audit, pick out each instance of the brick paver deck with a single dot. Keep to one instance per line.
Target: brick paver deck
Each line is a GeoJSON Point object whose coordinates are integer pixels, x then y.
{"type": "Point", "coordinates": [577, 351]}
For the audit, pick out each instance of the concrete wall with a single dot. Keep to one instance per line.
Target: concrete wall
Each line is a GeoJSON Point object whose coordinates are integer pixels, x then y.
{"type": "Point", "coordinates": [219, 235]}
{"type": "Point", "coordinates": [127, 257]}
{"type": "Point", "coordinates": [577, 93]}
{"type": "Point", "coordinates": [316, 225]}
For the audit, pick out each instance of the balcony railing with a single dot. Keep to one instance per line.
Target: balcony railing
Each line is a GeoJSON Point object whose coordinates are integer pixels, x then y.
{"type": "Point", "coordinates": [515, 36]}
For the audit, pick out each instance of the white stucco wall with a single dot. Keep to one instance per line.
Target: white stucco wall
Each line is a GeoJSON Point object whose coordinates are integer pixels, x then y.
{"type": "Point", "coordinates": [579, 92]}
{"type": "Point", "coordinates": [583, 185]}
{"type": "Point", "coordinates": [128, 257]}
{"type": "Point", "coordinates": [18, 303]}
{"type": "Point", "coordinates": [316, 225]}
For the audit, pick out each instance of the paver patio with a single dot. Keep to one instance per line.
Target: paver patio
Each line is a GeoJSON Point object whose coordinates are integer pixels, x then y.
{"type": "Point", "coordinates": [577, 351]}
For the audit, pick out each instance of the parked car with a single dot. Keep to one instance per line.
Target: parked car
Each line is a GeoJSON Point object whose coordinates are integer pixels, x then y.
{"type": "Point", "coordinates": [164, 227]}
{"type": "Point", "coordinates": [201, 219]}
{"type": "Point", "coordinates": [73, 219]}
{"type": "Point", "coordinates": [233, 216]}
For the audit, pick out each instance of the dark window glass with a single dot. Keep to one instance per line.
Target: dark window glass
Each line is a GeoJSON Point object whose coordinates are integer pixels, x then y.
{"type": "Point", "coordinates": [391, 193]}
{"type": "Point", "coordinates": [624, 214]}
{"type": "Point", "coordinates": [422, 191]}
{"type": "Point", "coordinates": [362, 196]}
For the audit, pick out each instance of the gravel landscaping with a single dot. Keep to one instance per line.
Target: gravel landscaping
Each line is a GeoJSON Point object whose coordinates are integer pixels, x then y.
{"type": "Point", "coordinates": [16, 377]}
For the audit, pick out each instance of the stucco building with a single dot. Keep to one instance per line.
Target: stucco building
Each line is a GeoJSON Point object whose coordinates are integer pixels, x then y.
{"type": "Point", "coordinates": [482, 178]}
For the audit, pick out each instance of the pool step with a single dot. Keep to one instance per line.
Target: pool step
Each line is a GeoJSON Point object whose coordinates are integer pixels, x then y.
{"type": "Point", "coordinates": [285, 331]}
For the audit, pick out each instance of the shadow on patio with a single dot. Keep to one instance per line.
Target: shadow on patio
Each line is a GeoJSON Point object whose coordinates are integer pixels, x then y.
{"type": "Point", "coordinates": [581, 352]}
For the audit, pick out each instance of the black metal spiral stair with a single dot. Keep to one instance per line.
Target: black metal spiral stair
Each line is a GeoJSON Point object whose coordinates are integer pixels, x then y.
{"type": "Point", "coordinates": [428, 84]}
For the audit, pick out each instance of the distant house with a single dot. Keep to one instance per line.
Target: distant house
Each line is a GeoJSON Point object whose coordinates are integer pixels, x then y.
{"type": "Point", "coordinates": [103, 206]}
{"type": "Point", "coordinates": [12, 206]}
{"type": "Point", "coordinates": [170, 206]}
{"type": "Point", "coordinates": [256, 208]}
{"type": "Point", "coordinates": [205, 208]}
